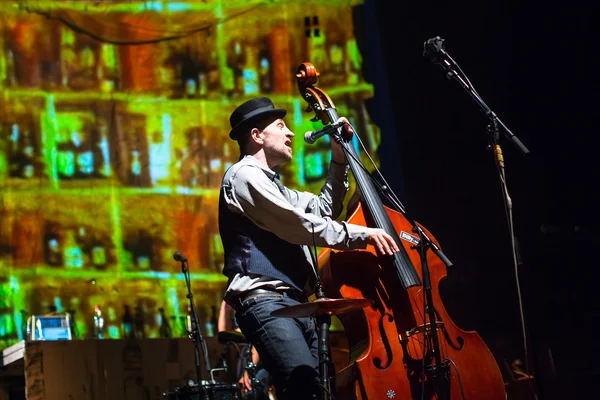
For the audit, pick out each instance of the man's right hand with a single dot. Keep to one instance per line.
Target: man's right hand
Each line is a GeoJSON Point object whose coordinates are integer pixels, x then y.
{"type": "Point", "coordinates": [382, 241]}
{"type": "Point", "coordinates": [245, 382]}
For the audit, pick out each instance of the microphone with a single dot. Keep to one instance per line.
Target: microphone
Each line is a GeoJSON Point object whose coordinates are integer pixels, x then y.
{"type": "Point", "coordinates": [311, 136]}
{"type": "Point", "coordinates": [179, 257]}
{"type": "Point", "coordinates": [435, 49]}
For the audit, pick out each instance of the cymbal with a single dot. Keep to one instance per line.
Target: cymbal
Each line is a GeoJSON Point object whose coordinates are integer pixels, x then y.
{"type": "Point", "coordinates": [322, 306]}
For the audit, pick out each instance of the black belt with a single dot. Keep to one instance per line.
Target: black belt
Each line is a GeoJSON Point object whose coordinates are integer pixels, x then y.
{"type": "Point", "coordinates": [294, 294]}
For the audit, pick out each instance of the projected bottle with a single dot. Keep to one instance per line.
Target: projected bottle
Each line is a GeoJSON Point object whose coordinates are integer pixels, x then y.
{"type": "Point", "coordinates": [213, 74]}
{"type": "Point", "coordinates": [72, 254]}
{"type": "Point", "coordinates": [98, 252]}
{"type": "Point", "coordinates": [188, 319]}
{"type": "Point", "coordinates": [250, 71]}
{"type": "Point", "coordinates": [142, 249]}
{"type": "Point", "coordinates": [112, 326]}
{"type": "Point", "coordinates": [52, 248]}
{"type": "Point", "coordinates": [264, 72]}
{"type": "Point", "coordinates": [28, 155]}
{"type": "Point", "coordinates": [135, 168]}
{"type": "Point", "coordinates": [165, 328]}
{"type": "Point", "coordinates": [107, 67]}
{"type": "Point", "coordinates": [209, 323]}
{"type": "Point", "coordinates": [87, 69]}
{"type": "Point", "coordinates": [11, 78]}
{"type": "Point", "coordinates": [190, 88]}
{"type": "Point", "coordinates": [127, 322]}
{"type": "Point", "coordinates": [202, 84]}
{"type": "Point", "coordinates": [84, 157]}
{"type": "Point", "coordinates": [66, 155]}
{"type": "Point", "coordinates": [83, 241]}
{"type": "Point", "coordinates": [21, 152]}
{"type": "Point", "coordinates": [139, 323]}
{"type": "Point", "coordinates": [98, 332]}
{"type": "Point", "coordinates": [14, 151]}
{"type": "Point", "coordinates": [138, 173]}
{"type": "Point", "coordinates": [102, 153]}
{"type": "Point", "coordinates": [236, 59]}
{"type": "Point", "coordinates": [13, 131]}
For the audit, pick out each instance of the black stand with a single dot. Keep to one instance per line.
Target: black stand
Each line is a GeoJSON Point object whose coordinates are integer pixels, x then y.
{"type": "Point", "coordinates": [326, 386]}
{"type": "Point", "coordinates": [439, 369]}
{"type": "Point", "coordinates": [195, 334]}
{"type": "Point", "coordinates": [434, 48]}
{"type": "Point", "coordinates": [324, 322]}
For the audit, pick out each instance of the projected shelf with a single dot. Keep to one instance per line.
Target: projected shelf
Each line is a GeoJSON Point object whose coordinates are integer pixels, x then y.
{"type": "Point", "coordinates": [168, 6]}
{"type": "Point", "coordinates": [111, 156]}
{"type": "Point", "coordinates": [205, 280]}
{"type": "Point", "coordinates": [365, 89]}
{"type": "Point", "coordinates": [20, 187]}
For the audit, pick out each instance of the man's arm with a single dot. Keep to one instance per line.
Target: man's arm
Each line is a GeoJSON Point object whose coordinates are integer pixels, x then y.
{"type": "Point", "coordinates": [260, 200]}
{"type": "Point", "coordinates": [330, 201]}
{"type": "Point", "coordinates": [224, 323]}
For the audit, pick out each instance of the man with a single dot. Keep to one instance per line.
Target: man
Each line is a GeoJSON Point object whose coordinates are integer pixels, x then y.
{"type": "Point", "coordinates": [265, 228]}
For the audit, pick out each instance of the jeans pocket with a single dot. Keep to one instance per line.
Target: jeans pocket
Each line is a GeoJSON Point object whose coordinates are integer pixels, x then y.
{"type": "Point", "coordinates": [255, 312]}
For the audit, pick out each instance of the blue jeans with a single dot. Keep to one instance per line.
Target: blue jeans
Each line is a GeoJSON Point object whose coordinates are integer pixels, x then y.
{"type": "Point", "coordinates": [287, 346]}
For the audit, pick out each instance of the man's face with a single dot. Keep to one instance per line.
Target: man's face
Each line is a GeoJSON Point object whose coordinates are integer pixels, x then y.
{"type": "Point", "coordinates": [277, 142]}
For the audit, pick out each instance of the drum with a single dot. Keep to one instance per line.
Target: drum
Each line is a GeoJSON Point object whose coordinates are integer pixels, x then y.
{"type": "Point", "coordinates": [221, 391]}
{"type": "Point", "coordinates": [209, 391]}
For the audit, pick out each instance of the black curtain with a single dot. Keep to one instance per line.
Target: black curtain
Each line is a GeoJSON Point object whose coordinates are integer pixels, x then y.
{"type": "Point", "coordinates": [535, 66]}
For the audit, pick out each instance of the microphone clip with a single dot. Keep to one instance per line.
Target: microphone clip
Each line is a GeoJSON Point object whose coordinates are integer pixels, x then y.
{"type": "Point", "coordinates": [435, 49]}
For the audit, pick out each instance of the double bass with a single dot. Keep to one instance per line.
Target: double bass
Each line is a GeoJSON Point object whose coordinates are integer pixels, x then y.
{"type": "Point", "coordinates": [405, 346]}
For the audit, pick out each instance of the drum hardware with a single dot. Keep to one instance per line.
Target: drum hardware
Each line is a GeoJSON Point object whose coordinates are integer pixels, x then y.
{"type": "Point", "coordinates": [212, 371]}
{"type": "Point", "coordinates": [322, 309]}
{"type": "Point", "coordinates": [251, 368]}
{"type": "Point", "coordinates": [208, 390]}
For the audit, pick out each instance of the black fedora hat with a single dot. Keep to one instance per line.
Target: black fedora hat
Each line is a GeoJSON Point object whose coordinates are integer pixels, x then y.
{"type": "Point", "coordinates": [249, 111]}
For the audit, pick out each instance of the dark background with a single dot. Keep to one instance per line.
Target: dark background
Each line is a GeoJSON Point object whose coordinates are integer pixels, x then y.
{"type": "Point", "coordinates": [535, 65]}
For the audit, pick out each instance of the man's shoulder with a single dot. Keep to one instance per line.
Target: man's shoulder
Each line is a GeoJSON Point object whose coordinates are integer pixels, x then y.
{"type": "Point", "coordinates": [242, 171]}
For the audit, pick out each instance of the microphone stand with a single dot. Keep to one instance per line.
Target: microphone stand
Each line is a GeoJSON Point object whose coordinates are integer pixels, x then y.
{"type": "Point", "coordinates": [195, 334]}
{"type": "Point", "coordinates": [434, 48]}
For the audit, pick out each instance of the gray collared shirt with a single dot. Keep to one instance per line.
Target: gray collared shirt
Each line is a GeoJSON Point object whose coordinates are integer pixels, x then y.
{"type": "Point", "coordinates": [250, 188]}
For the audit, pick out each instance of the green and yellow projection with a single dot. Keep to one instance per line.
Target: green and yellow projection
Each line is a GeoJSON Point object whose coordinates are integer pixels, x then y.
{"type": "Point", "coordinates": [114, 122]}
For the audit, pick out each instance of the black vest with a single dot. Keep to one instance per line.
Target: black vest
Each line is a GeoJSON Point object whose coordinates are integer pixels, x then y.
{"type": "Point", "coordinates": [251, 250]}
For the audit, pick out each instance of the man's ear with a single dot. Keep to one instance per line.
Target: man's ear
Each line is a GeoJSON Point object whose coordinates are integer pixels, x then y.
{"type": "Point", "coordinates": [255, 135]}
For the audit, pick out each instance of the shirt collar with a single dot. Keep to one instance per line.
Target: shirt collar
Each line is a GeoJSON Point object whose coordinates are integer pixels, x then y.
{"type": "Point", "coordinates": [272, 175]}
